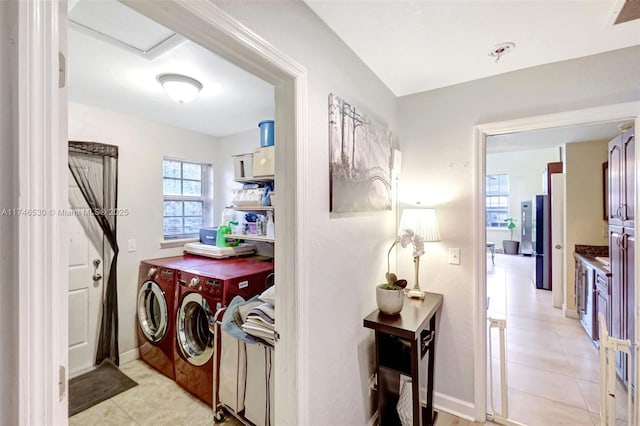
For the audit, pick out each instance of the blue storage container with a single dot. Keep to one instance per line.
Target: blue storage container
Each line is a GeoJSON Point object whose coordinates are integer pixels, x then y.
{"type": "Point", "coordinates": [208, 236]}
{"type": "Point", "coordinates": [267, 128]}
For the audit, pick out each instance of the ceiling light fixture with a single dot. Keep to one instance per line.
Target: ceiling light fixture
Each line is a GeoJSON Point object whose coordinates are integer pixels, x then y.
{"type": "Point", "coordinates": [501, 49]}
{"type": "Point", "coordinates": [180, 88]}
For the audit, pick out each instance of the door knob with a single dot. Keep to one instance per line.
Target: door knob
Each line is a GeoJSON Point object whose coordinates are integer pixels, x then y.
{"type": "Point", "coordinates": [96, 275]}
{"type": "Point", "coordinates": [558, 246]}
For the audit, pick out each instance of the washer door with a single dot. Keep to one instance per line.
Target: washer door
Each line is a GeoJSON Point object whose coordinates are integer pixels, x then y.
{"type": "Point", "coordinates": [152, 311]}
{"type": "Point", "coordinates": [194, 338]}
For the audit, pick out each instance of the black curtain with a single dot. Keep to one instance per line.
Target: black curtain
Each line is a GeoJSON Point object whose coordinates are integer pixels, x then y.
{"type": "Point", "coordinates": [94, 167]}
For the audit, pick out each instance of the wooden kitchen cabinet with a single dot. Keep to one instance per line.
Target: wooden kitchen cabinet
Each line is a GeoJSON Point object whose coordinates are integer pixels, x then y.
{"type": "Point", "coordinates": [622, 243]}
{"type": "Point", "coordinates": [622, 179]}
{"type": "Point", "coordinates": [618, 302]}
{"type": "Point", "coordinates": [603, 300]}
{"type": "Point", "coordinates": [592, 293]}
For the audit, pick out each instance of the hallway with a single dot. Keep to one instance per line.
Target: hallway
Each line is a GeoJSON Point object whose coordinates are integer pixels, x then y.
{"type": "Point", "coordinates": [553, 367]}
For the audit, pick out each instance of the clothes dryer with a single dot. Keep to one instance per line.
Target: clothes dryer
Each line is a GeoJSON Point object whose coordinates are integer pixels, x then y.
{"type": "Point", "coordinates": [201, 292]}
{"type": "Point", "coordinates": [156, 309]}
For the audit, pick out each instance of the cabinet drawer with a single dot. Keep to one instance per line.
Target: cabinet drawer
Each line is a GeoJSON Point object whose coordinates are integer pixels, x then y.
{"type": "Point", "coordinates": [602, 283]}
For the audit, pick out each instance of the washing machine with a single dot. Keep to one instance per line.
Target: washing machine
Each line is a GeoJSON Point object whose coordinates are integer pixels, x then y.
{"type": "Point", "coordinates": [156, 309]}
{"type": "Point", "coordinates": [201, 292]}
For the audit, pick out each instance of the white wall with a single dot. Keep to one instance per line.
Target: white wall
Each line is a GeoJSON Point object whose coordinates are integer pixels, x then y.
{"type": "Point", "coordinates": [436, 133]}
{"type": "Point", "coordinates": [142, 145]}
{"type": "Point", "coordinates": [583, 201]}
{"type": "Point", "coordinates": [240, 143]}
{"type": "Point", "coordinates": [8, 224]}
{"type": "Point", "coordinates": [348, 250]}
{"type": "Point", "coordinates": [525, 182]}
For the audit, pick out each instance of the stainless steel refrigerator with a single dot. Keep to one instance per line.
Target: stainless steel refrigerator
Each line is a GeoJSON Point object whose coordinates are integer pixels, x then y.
{"type": "Point", "coordinates": [542, 228]}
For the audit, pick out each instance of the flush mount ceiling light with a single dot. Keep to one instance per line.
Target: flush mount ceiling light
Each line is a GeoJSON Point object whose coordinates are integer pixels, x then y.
{"type": "Point", "coordinates": [180, 88]}
{"type": "Point", "coordinates": [501, 49]}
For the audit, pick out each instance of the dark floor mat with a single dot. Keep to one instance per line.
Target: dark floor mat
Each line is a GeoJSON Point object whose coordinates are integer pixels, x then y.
{"type": "Point", "coordinates": [93, 387]}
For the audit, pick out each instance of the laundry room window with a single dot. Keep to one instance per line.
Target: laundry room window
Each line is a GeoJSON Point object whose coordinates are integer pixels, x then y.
{"type": "Point", "coordinates": [187, 204]}
{"type": "Point", "coordinates": [497, 208]}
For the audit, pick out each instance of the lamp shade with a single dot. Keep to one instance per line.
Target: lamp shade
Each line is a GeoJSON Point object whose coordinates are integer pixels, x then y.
{"type": "Point", "coordinates": [422, 221]}
{"type": "Point", "coordinates": [180, 88]}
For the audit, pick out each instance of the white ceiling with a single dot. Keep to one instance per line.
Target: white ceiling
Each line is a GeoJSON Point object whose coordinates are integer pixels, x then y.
{"type": "Point", "coordinates": [121, 75]}
{"type": "Point", "coordinates": [552, 138]}
{"type": "Point", "coordinates": [415, 46]}
{"type": "Point", "coordinates": [411, 45]}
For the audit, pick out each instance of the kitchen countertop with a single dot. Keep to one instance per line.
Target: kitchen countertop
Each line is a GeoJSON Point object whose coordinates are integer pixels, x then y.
{"type": "Point", "coordinates": [591, 261]}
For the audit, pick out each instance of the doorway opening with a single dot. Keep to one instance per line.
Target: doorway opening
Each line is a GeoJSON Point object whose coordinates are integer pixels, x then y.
{"type": "Point", "coordinates": [181, 157]}
{"type": "Point", "coordinates": [213, 29]}
{"type": "Point", "coordinates": [516, 273]}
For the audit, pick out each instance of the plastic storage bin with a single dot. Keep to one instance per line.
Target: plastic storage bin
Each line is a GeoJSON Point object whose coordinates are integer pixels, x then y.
{"type": "Point", "coordinates": [267, 128]}
{"type": "Point", "coordinates": [208, 236]}
{"type": "Point", "coordinates": [243, 166]}
{"type": "Point", "coordinates": [263, 161]}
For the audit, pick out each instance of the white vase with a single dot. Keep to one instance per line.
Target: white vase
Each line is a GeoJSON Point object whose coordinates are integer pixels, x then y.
{"type": "Point", "coordinates": [389, 301]}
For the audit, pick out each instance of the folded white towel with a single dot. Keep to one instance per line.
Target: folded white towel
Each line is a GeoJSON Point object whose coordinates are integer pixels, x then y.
{"type": "Point", "coordinates": [269, 295]}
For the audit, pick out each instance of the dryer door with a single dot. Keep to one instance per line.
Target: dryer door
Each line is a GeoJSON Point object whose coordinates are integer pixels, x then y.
{"type": "Point", "coordinates": [194, 338]}
{"type": "Point", "coordinates": [152, 311]}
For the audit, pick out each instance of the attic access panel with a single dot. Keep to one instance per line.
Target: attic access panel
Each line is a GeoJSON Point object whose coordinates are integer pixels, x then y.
{"type": "Point", "coordinates": [115, 23]}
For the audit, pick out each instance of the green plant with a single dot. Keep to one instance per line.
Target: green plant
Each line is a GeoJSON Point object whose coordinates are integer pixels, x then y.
{"type": "Point", "coordinates": [393, 283]}
{"type": "Point", "coordinates": [397, 285]}
{"type": "Point", "coordinates": [510, 225]}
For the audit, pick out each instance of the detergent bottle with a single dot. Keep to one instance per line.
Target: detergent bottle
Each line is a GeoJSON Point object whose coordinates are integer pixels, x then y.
{"type": "Point", "coordinates": [223, 230]}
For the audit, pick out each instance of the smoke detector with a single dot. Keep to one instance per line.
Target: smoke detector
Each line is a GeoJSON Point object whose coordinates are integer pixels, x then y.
{"type": "Point", "coordinates": [501, 49]}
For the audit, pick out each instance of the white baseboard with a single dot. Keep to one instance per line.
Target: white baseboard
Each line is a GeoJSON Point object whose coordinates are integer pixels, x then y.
{"type": "Point", "coordinates": [454, 406]}
{"type": "Point", "coordinates": [571, 314]}
{"type": "Point", "coordinates": [129, 356]}
{"type": "Point", "coordinates": [446, 403]}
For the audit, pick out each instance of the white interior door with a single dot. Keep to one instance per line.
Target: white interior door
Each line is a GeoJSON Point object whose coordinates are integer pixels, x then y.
{"type": "Point", "coordinates": [85, 295]}
{"type": "Point", "coordinates": [557, 239]}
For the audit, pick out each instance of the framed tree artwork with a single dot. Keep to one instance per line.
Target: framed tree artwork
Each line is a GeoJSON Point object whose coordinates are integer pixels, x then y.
{"type": "Point", "coordinates": [360, 160]}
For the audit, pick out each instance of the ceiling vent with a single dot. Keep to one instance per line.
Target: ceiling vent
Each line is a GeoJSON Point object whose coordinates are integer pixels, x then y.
{"type": "Point", "coordinates": [626, 11]}
{"type": "Point", "coordinates": [115, 23]}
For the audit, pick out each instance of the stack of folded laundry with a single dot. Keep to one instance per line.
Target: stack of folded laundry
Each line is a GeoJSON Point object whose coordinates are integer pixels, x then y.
{"type": "Point", "coordinates": [260, 321]}
{"type": "Point", "coordinates": [255, 317]}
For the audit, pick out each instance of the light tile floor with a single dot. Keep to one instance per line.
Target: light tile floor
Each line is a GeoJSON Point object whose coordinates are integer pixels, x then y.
{"type": "Point", "coordinates": [553, 368]}
{"type": "Point", "coordinates": [159, 401]}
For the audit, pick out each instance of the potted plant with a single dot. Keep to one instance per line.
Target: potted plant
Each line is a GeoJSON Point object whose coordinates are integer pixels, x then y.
{"type": "Point", "coordinates": [390, 295]}
{"type": "Point", "coordinates": [510, 246]}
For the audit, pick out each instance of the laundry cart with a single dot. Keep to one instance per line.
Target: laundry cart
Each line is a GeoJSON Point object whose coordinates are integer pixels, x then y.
{"type": "Point", "coordinates": [243, 378]}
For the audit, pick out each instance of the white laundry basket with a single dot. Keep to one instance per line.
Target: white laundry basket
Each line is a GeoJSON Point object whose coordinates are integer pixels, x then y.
{"type": "Point", "coordinates": [258, 403]}
{"type": "Point", "coordinates": [233, 370]}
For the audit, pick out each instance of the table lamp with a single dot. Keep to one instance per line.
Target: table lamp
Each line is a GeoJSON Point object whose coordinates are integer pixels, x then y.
{"type": "Point", "coordinates": [418, 226]}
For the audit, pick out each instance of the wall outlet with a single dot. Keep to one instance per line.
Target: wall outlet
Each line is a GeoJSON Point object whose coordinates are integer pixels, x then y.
{"type": "Point", "coordinates": [131, 245]}
{"type": "Point", "coordinates": [454, 256]}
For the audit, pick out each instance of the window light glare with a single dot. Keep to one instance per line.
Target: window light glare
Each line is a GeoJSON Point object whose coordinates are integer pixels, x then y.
{"type": "Point", "coordinates": [180, 88]}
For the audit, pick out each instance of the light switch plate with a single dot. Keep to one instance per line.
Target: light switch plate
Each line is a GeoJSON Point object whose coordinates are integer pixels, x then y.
{"type": "Point", "coordinates": [454, 256]}
{"type": "Point", "coordinates": [131, 245]}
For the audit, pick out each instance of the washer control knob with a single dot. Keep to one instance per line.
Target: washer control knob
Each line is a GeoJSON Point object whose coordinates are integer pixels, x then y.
{"type": "Point", "coordinates": [194, 282]}
{"type": "Point", "coordinates": [151, 272]}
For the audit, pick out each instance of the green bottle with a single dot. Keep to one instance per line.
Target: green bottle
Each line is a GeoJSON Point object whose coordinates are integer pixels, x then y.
{"type": "Point", "coordinates": [223, 230]}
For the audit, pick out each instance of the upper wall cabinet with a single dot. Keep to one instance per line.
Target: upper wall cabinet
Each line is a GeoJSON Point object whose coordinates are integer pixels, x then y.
{"type": "Point", "coordinates": [621, 179]}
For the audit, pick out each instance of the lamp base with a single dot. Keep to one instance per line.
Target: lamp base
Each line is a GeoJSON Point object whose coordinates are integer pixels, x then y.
{"type": "Point", "coordinates": [416, 293]}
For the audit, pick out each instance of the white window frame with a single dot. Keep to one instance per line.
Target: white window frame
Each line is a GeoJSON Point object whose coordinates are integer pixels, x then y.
{"type": "Point", "coordinates": [497, 194]}
{"type": "Point", "coordinates": [206, 197]}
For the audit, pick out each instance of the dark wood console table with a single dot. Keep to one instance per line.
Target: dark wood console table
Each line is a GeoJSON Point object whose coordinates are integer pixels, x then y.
{"type": "Point", "coordinates": [401, 343]}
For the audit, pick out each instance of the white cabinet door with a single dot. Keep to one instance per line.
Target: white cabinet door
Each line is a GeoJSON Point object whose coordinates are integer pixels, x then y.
{"type": "Point", "coordinates": [85, 295]}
